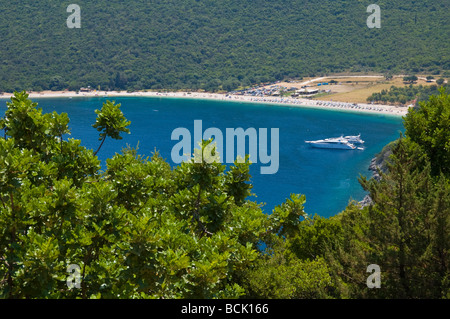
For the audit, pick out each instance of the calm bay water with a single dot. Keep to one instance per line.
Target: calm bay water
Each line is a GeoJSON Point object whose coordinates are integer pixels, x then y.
{"type": "Point", "coordinates": [328, 178]}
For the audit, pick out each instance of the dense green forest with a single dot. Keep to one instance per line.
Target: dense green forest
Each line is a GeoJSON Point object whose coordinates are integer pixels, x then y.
{"type": "Point", "coordinates": [142, 229]}
{"type": "Point", "coordinates": [214, 44]}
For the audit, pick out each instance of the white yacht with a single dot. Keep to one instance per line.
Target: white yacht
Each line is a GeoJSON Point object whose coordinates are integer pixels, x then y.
{"type": "Point", "coordinates": [338, 143]}
{"type": "Point", "coordinates": [355, 139]}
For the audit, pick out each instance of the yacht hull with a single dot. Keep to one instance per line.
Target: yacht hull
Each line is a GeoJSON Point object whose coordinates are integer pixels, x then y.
{"type": "Point", "coordinates": [342, 146]}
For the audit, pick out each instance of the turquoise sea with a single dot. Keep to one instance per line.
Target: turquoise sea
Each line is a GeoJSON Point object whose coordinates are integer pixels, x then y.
{"type": "Point", "coordinates": [328, 178]}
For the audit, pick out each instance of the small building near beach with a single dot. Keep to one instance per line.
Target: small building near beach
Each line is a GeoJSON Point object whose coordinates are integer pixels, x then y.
{"type": "Point", "coordinates": [306, 92]}
{"type": "Point", "coordinates": [88, 89]}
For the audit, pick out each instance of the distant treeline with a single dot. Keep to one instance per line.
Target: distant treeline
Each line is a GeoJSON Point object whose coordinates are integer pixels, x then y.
{"type": "Point", "coordinates": [406, 94]}
{"type": "Point", "coordinates": [214, 44]}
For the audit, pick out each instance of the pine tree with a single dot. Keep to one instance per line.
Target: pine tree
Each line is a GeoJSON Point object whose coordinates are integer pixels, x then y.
{"type": "Point", "coordinates": [407, 221]}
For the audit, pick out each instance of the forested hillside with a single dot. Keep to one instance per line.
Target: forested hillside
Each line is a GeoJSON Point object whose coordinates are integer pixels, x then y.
{"type": "Point", "coordinates": [213, 44]}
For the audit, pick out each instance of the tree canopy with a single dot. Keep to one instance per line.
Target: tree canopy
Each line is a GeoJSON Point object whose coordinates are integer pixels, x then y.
{"type": "Point", "coordinates": [407, 94]}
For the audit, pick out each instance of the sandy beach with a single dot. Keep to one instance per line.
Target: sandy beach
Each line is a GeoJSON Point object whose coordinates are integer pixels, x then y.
{"type": "Point", "coordinates": [285, 101]}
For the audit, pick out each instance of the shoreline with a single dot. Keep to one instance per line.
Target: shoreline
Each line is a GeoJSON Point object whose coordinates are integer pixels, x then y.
{"type": "Point", "coordinates": [286, 101]}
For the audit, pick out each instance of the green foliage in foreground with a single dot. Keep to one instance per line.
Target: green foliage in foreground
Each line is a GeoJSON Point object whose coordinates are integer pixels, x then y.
{"type": "Point", "coordinates": [141, 229]}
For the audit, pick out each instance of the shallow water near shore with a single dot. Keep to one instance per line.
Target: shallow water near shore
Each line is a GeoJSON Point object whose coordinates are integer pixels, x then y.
{"type": "Point", "coordinates": [328, 178]}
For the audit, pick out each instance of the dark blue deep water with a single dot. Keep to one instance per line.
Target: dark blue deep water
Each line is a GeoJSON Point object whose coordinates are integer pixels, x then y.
{"type": "Point", "coordinates": [328, 178]}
